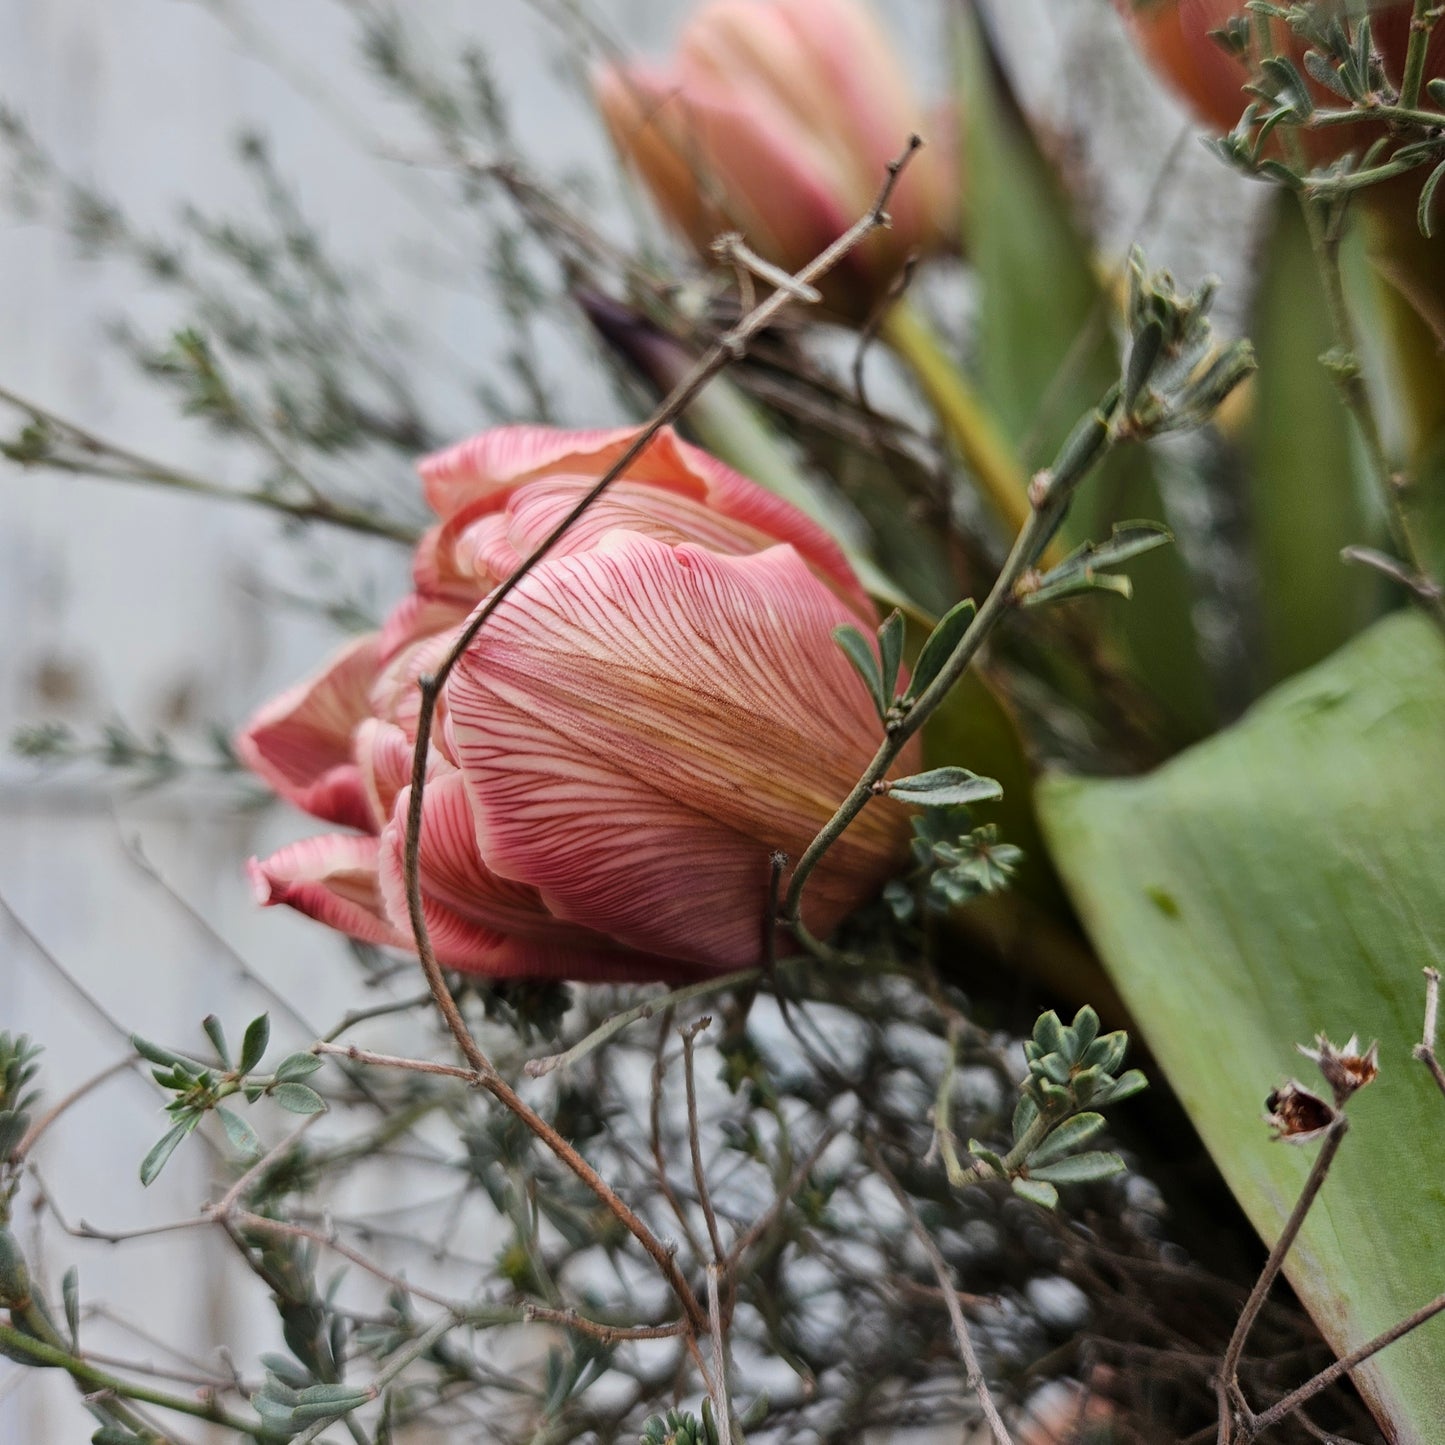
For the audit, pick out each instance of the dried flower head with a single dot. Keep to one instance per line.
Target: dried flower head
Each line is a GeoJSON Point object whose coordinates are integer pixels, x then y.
{"type": "Point", "coordinates": [1296, 1115]}
{"type": "Point", "coordinates": [1345, 1069]}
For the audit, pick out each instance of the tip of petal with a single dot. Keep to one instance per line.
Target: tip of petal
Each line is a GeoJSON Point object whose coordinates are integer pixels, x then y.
{"type": "Point", "coordinates": [263, 890]}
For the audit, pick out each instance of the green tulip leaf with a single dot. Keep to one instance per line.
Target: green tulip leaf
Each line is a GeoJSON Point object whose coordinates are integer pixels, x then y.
{"type": "Point", "coordinates": [1287, 878]}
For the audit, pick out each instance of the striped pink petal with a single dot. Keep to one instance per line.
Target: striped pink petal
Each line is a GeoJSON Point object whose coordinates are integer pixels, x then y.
{"type": "Point", "coordinates": [300, 742]}
{"type": "Point", "coordinates": [481, 923]}
{"type": "Point", "coordinates": [492, 463]}
{"type": "Point", "coordinates": [332, 879]}
{"type": "Point", "coordinates": [674, 492]}
{"type": "Point", "coordinates": [641, 726]}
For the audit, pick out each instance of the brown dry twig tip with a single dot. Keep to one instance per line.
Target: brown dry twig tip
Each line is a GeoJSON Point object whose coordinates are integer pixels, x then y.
{"type": "Point", "coordinates": [1425, 1049]}
{"type": "Point", "coordinates": [715, 360]}
{"type": "Point", "coordinates": [1233, 1407]}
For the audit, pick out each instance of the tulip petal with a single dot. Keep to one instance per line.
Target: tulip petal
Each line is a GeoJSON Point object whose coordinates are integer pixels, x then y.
{"type": "Point", "coordinates": [332, 879]}
{"type": "Point", "coordinates": [492, 463]}
{"type": "Point", "coordinates": [642, 726]}
{"type": "Point", "coordinates": [300, 742]}
{"type": "Point", "coordinates": [674, 492]}
{"type": "Point", "coordinates": [481, 923]}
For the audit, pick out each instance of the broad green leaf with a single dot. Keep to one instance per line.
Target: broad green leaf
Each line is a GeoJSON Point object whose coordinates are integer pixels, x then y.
{"type": "Point", "coordinates": [1045, 355]}
{"type": "Point", "coordinates": [1307, 499]}
{"type": "Point", "coordinates": [1285, 878]}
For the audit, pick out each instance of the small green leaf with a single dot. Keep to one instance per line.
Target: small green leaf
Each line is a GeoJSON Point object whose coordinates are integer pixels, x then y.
{"type": "Point", "coordinates": [986, 1155]}
{"type": "Point", "coordinates": [1080, 1169]}
{"type": "Point", "coordinates": [217, 1036]}
{"type": "Point", "coordinates": [155, 1054]}
{"type": "Point", "coordinates": [859, 651]}
{"type": "Point", "coordinates": [1024, 1115]}
{"type": "Point", "coordinates": [1048, 1033]}
{"type": "Point", "coordinates": [944, 788]}
{"type": "Point", "coordinates": [1037, 1191]}
{"type": "Point", "coordinates": [253, 1046]}
{"type": "Point", "coordinates": [163, 1148]}
{"type": "Point", "coordinates": [298, 1099]}
{"type": "Point", "coordinates": [1125, 1087]}
{"type": "Point", "coordinates": [1070, 1135]}
{"type": "Point", "coordinates": [1144, 349]}
{"type": "Point", "coordinates": [940, 645]}
{"type": "Point", "coordinates": [70, 1294]}
{"type": "Point", "coordinates": [296, 1067]}
{"type": "Point", "coordinates": [239, 1132]}
{"type": "Point", "coordinates": [890, 650]}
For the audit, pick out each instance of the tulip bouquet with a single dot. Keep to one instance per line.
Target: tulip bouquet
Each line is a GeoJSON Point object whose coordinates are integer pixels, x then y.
{"type": "Point", "coordinates": [733, 784]}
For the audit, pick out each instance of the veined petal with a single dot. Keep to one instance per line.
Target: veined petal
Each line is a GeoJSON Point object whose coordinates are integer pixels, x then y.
{"type": "Point", "coordinates": [484, 924]}
{"type": "Point", "coordinates": [300, 742]}
{"type": "Point", "coordinates": [332, 879]}
{"type": "Point", "coordinates": [641, 726]}
{"type": "Point", "coordinates": [674, 492]}
{"type": "Point", "coordinates": [492, 463]}
{"type": "Point", "coordinates": [384, 755]}
{"type": "Point", "coordinates": [395, 695]}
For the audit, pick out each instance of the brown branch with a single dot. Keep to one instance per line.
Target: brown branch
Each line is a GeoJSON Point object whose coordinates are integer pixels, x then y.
{"type": "Point", "coordinates": [731, 346]}
{"type": "Point", "coordinates": [33, 1133]}
{"type": "Point", "coordinates": [1279, 1411]}
{"type": "Point", "coordinates": [1227, 1388]}
{"type": "Point", "coordinates": [486, 1077]}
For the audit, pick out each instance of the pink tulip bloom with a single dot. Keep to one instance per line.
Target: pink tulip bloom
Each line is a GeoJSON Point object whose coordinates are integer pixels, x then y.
{"type": "Point", "coordinates": [655, 709]}
{"type": "Point", "coordinates": [777, 119]}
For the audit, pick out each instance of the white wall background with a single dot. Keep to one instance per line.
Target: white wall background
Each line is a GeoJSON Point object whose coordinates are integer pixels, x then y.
{"type": "Point", "coordinates": [116, 601]}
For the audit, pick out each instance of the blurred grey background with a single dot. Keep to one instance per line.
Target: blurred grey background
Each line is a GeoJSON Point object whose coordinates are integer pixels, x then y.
{"type": "Point", "coordinates": [125, 910]}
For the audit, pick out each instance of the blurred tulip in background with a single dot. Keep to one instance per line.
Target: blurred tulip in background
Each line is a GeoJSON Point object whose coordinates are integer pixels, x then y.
{"type": "Point", "coordinates": [777, 119]}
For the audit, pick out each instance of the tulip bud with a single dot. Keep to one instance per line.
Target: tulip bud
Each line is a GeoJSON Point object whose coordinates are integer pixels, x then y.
{"type": "Point", "coordinates": [777, 119]}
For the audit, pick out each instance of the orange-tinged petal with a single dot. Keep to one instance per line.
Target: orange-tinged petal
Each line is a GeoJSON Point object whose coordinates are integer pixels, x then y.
{"type": "Point", "coordinates": [641, 726]}
{"type": "Point", "coordinates": [300, 742]}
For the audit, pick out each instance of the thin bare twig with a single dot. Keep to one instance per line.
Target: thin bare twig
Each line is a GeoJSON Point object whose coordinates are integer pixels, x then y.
{"type": "Point", "coordinates": [33, 1133]}
{"type": "Point", "coordinates": [1425, 1049]}
{"type": "Point", "coordinates": [972, 1370]}
{"type": "Point", "coordinates": [694, 1137]}
{"type": "Point", "coordinates": [108, 462]}
{"type": "Point", "coordinates": [1282, 1409]}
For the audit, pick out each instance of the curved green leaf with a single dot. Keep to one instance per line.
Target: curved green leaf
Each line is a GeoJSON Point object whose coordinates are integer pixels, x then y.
{"type": "Point", "coordinates": [1284, 878]}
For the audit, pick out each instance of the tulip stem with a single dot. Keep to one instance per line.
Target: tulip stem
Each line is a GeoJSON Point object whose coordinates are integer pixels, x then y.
{"type": "Point", "coordinates": [964, 414]}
